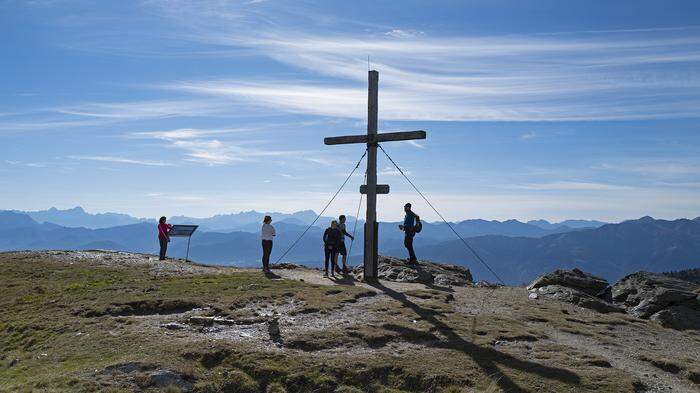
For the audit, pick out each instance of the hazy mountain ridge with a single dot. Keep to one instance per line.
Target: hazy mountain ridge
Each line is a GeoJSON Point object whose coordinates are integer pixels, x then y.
{"type": "Point", "coordinates": [249, 221]}
{"type": "Point", "coordinates": [575, 224]}
{"type": "Point", "coordinates": [78, 217]}
{"type": "Point", "coordinates": [611, 251]}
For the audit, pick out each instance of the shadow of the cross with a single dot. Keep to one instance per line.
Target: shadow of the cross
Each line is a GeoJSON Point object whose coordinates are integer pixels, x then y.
{"type": "Point", "coordinates": [486, 358]}
{"type": "Point", "coordinates": [344, 280]}
{"type": "Point", "coordinates": [272, 276]}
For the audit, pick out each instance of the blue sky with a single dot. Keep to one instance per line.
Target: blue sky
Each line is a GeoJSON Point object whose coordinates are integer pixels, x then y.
{"type": "Point", "coordinates": [534, 109]}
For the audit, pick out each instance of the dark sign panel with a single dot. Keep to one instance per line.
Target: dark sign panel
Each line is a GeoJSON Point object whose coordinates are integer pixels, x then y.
{"type": "Point", "coordinates": [183, 230]}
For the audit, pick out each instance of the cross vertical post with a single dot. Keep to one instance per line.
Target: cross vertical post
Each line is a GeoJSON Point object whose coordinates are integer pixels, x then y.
{"type": "Point", "coordinates": [370, 252]}
{"type": "Point", "coordinates": [372, 140]}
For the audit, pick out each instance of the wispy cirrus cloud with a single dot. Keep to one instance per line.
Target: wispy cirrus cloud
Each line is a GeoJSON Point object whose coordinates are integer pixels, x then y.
{"type": "Point", "coordinates": [121, 160]}
{"type": "Point", "coordinates": [529, 135]}
{"type": "Point", "coordinates": [154, 109]}
{"type": "Point", "coordinates": [661, 168]}
{"type": "Point", "coordinates": [96, 114]}
{"type": "Point", "coordinates": [199, 146]}
{"type": "Point", "coordinates": [27, 164]}
{"type": "Point", "coordinates": [401, 33]}
{"type": "Point", "coordinates": [605, 75]}
{"type": "Point", "coordinates": [556, 76]}
{"type": "Point", "coordinates": [572, 186]}
{"type": "Point", "coordinates": [34, 123]}
{"type": "Point", "coordinates": [215, 152]}
{"type": "Point", "coordinates": [184, 133]}
{"type": "Point", "coordinates": [415, 144]}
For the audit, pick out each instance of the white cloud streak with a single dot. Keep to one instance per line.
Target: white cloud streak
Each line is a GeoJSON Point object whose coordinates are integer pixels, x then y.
{"type": "Point", "coordinates": [199, 148]}
{"type": "Point", "coordinates": [183, 133]}
{"type": "Point", "coordinates": [156, 109]}
{"type": "Point", "coordinates": [572, 186]}
{"type": "Point", "coordinates": [604, 75]}
{"type": "Point", "coordinates": [655, 168]}
{"type": "Point", "coordinates": [121, 160]}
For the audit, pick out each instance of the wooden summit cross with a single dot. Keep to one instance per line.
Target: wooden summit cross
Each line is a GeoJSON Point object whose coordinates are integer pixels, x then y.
{"type": "Point", "coordinates": [372, 140]}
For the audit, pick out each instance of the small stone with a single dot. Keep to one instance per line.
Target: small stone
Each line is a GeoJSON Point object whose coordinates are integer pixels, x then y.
{"type": "Point", "coordinates": [224, 321]}
{"type": "Point", "coordinates": [200, 320]}
{"type": "Point", "coordinates": [533, 295]}
{"type": "Point", "coordinates": [163, 378]}
{"type": "Point", "coordinates": [173, 326]}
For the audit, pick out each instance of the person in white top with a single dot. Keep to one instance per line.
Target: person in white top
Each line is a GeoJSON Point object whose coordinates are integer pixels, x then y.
{"type": "Point", "coordinates": [267, 233]}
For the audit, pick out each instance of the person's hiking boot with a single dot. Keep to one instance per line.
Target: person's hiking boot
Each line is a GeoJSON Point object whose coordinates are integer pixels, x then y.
{"type": "Point", "coordinates": [325, 275]}
{"type": "Point", "coordinates": [345, 270]}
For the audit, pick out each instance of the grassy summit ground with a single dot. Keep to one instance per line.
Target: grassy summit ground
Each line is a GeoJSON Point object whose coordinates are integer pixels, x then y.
{"type": "Point", "coordinates": [99, 321]}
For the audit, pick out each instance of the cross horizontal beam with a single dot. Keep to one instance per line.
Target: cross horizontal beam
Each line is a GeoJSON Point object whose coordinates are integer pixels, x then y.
{"type": "Point", "coordinates": [375, 138]}
{"type": "Point", "coordinates": [380, 189]}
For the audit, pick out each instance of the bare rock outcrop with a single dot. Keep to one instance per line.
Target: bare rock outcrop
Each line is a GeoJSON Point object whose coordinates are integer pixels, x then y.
{"type": "Point", "coordinates": [424, 272]}
{"type": "Point", "coordinates": [576, 287]}
{"type": "Point", "coordinates": [575, 279]}
{"type": "Point", "coordinates": [673, 302]}
{"type": "Point", "coordinates": [579, 298]}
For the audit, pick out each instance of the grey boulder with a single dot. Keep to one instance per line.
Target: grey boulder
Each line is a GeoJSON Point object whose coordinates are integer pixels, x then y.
{"type": "Point", "coordinates": [424, 272]}
{"type": "Point", "coordinates": [575, 279]}
{"type": "Point", "coordinates": [678, 317]}
{"type": "Point", "coordinates": [670, 301]}
{"type": "Point", "coordinates": [574, 296]}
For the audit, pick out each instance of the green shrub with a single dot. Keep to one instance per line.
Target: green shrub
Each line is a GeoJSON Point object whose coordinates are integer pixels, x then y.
{"type": "Point", "coordinates": [235, 381]}
{"type": "Point", "coordinates": [275, 387]}
{"type": "Point", "coordinates": [347, 389]}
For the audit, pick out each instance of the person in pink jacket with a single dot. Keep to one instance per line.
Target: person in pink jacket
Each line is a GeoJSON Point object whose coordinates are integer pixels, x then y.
{"type": "Point", "coordinates": [163, 236]}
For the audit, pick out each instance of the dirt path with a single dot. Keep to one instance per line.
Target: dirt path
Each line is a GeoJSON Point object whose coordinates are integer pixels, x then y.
{"type": "Point", "coordinates": [624, 357]}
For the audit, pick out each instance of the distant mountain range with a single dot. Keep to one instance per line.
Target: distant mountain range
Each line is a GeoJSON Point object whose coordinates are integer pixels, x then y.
{"type": "Point", "coordinates": [249, 221]}
{"type": "Point", "coordinates": [576, 224]}
{"type": "Point", "coordinates": [517, 251]}
{"type": "Point", "coordinates": [611, 251]}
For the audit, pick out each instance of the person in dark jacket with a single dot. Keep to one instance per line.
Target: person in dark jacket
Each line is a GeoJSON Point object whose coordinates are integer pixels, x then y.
{"type": "Point", "coordinates": [409, 225]}
{"type": "Point", "coordinates": [163, 236]}
{"type": "Point", "coordinates": [342, 250]}
{"type": "Point", "coordinates": [331, 241]}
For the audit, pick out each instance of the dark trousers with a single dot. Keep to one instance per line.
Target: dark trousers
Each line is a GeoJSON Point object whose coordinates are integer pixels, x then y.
{"type": "Point", "coordinates": [330, 257]}
{"type": "Point", "coordinates": [267, 250]}
{"type": "Point", "coordinates": [163, 247]}
{"type": "Point", "coordinates": [408, 243]}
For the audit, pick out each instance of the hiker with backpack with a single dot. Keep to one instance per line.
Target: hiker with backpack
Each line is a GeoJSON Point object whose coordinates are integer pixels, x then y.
{"type": "Point", "coordinates": [331, 241]}
{"type": "Point", "coordinates": [411, 226]}
{"type": "Point", "coordinates": [342, 250]}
